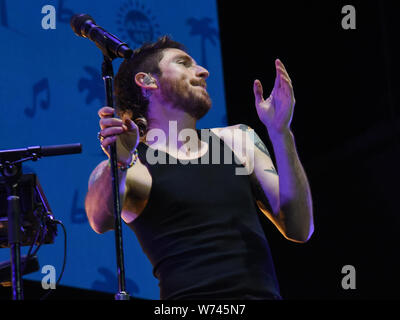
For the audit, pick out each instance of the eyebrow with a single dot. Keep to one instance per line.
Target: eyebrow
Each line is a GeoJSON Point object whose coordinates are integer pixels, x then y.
{"type": "Point", "coordinates": [184, 56]}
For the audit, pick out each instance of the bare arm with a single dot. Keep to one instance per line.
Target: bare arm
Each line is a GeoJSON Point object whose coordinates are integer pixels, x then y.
{"type": "Point", "coordinates": [99, 199]}
{"type": "Point", "coordinates": [285, 199]}
{"type": "Point", "coordinates": [99, 202]}
{"type": "Point", "coordinates": [292, 203]}
{"type": "Point", "coordinates": [288, 193]}
{"type": "Point", "coordinates": [294, 191]}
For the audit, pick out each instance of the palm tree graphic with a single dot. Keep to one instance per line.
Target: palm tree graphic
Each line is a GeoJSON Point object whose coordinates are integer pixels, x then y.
{"type": "Point", "coordinates": [93, 85]}
{"type": "Point", "coordinates": [202, 28]}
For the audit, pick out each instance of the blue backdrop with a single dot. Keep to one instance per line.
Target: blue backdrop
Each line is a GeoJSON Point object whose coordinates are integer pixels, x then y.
{"type": "Point", "coordinates": [50, 91]}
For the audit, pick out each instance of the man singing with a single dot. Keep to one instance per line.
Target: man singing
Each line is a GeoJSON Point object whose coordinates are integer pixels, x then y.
{"type": "Point", "coordinates": [197, 220]}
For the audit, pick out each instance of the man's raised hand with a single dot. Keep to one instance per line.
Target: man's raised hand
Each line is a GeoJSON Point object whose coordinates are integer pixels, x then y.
{"type": "Point", "coordinates": [276, 111]}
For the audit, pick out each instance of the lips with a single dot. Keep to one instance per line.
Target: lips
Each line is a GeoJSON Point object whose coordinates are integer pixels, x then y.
{"type": "Point", "coordinates": [199, 84]}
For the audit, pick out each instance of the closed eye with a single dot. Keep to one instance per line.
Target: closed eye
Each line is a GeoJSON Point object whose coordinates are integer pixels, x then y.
{"type": "Point", "coordinates": [185, 62]}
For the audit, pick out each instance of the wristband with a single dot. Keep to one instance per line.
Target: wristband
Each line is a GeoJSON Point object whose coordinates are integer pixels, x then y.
{"type": "Point", "coordinates": [123, 167]}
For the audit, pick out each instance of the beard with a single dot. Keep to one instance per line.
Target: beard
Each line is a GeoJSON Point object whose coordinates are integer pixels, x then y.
{"type": "Point", "coordinates": [184, 97]}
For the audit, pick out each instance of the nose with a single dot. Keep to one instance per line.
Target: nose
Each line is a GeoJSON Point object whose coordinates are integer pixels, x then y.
{"type": "Point", "coordinates": [202, 72]}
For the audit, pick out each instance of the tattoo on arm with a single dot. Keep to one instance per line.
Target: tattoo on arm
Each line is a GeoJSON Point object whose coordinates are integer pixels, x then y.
{"type": "Point", "coordinates": [260, 145]}
{"type": "Point", "coordinates": [256, 139]}
{"type": "Point", "coordinates": [272, 170]}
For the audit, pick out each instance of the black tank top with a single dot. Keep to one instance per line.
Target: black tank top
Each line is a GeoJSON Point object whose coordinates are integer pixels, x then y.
{"type": "Point", "coordinates": [201, 231]}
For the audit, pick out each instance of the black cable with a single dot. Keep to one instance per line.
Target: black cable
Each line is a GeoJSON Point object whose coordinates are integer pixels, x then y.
{"type": "Point", "coordinates": [30, 254]}
{"type": "Point", "coordinates": [64, 262]}
{"type": "Point", "coordinates": [44, 232]}
{"type": "Point", "coordinates": [42, 216]}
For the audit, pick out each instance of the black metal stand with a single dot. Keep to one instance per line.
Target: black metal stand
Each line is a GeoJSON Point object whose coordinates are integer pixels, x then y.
{"type": "Point", "coordinates": [11, 170]}
{"type": "Point", "coordinates": [108, 74]}
{"type": "Point", "coordinates": [12, 176]}
{"type": "Point", "coordinates": [83, 25]}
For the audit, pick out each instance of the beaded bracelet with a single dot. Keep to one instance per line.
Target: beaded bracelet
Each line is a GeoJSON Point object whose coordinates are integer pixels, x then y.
{"type": "Point", "coordinates": [123, 167]}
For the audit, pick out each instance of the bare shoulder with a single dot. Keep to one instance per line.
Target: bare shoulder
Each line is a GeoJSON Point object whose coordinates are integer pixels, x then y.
{"type": "Point", "coordinates": [234, 132]}
{"type": "Point", "coordinates": [97, 171]}
{"type": "Point", "coordinates": [238, 139]}
{"type": "Point", "coordinates": [240, 126]}
{"type": "Point", "coordinates": [227, 132]}
{"type": "Point", "coordinates": [138, 178]}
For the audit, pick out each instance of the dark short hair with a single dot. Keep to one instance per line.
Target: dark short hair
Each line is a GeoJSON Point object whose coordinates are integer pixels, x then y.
{"type": "Point", "coordinates": [128, 95]}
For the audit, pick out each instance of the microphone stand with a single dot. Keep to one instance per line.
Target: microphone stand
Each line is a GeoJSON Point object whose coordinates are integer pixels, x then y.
{"type": "Point", "coordinates": [83, 25]}
{"type": "Point", "coordinates": [12, 174]}
{"type": "Point", "coordinates": [108, 75]}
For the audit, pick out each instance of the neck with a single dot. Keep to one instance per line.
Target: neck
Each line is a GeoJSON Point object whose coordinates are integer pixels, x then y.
{"type": "Point", "coordinates": [171, 122]}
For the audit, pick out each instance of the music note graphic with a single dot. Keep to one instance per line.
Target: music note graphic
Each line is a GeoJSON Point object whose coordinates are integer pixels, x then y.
{"type": "Point", "coordinates": [63, 14]}
{"type": "Point", "coordinates": [40, 88]}
{"type": "Point", "coordinates": [4, 19]}
{"type": "Point", "coordinates": [93, 85]}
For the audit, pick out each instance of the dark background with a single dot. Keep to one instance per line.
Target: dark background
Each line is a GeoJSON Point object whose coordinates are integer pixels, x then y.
{"type": "Point", "coordinates": [346, 127]}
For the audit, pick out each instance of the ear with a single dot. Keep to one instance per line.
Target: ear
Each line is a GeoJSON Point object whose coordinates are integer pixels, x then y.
{"type": "Point", "coordinates": [145, 81]}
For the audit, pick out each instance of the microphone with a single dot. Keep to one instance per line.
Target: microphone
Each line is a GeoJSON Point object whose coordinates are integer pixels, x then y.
{"type": "Point", "coordinates": [39, 151]}
{"type": "Point", "coordinates": [59, 150]}
{"type": "Point", "coordinates": [84, 26]}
